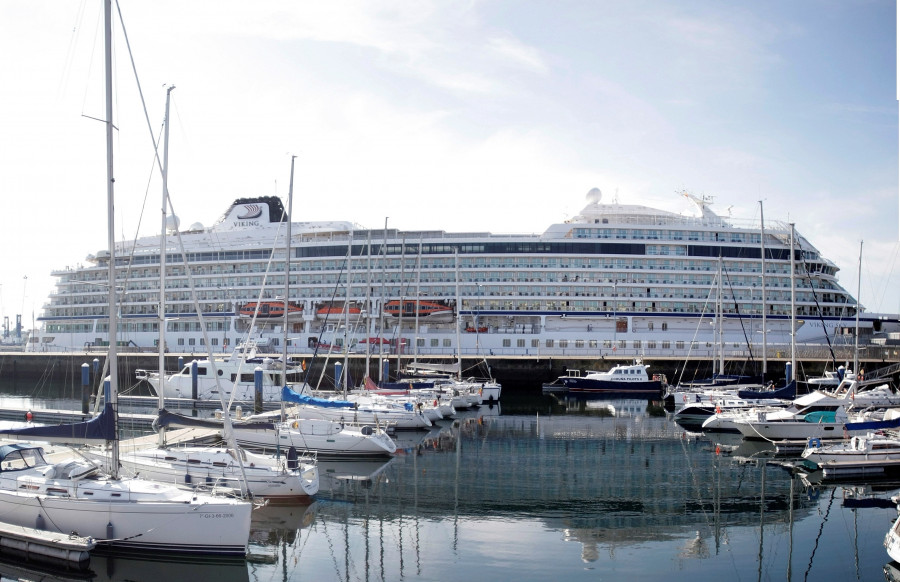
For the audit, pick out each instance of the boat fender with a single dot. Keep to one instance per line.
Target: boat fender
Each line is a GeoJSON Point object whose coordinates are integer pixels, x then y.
{"type": "Point", "coordinates": [814, 443]}
{"type": "Point", "coordinates": [718, 409]}
{"type": "Point", "coordinates": [28, 416]}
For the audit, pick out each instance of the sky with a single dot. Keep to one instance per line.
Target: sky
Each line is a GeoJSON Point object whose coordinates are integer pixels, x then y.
{"type": "Point", "coordinates": [493, 116]}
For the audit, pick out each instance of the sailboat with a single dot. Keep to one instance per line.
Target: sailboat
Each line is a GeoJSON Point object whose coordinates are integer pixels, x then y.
{"type": "Point", "coordinates": [294, 477]}
{"type": "Point", "coordinates": [322, 436]}
{"type": "Point", "coordinates": [73, 495]}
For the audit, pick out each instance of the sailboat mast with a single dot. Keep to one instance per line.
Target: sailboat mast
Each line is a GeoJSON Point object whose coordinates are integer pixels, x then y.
{"type": "Point", "coordinates": [721, 316]}
{"type": "Point", "coordinates": [110, 209]}
{"type": "Point", "coordinates": [762, 272]}
{"type": "Point", "coordinates": [381, 334]}
{"type": "Point", "coordinates": [162, 269]}
{"type": "Point", "coordinates": [346, 371]}
{"type": "Point", "coordinates": [287, 275]}
{"type": "Point", "coordinates": [793, 313]}
{"type": "Point", "coordinates": [418, 297]}
{"type": "Point", "coordinates": [458, 307]}
{"type": "Point", "coordinates": [856, 334]}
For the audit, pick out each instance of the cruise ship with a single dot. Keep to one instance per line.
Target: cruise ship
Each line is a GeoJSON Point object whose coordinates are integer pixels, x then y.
{"type": "Point", "coordinates": [616, 279]}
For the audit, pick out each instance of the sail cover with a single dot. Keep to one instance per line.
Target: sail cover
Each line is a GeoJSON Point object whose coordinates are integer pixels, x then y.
{"type": "Point", "coordinates": [100, 428]}
{"type": "Point", "coordinates": [171, 419]}
{"type": "Point", "coordinates": [289, 395]}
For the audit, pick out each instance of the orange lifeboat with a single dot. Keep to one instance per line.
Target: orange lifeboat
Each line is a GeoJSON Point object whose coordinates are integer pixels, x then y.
{"type": "Point", "coordinates": [336, 311]}
{"type": "Point", "coordinates": [428, 309]}
{"type": "Point", "coordinates": [270, 310]}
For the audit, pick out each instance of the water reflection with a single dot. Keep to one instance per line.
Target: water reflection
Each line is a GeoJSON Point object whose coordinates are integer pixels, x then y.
{"type": "Point", "coordinates": [561, 488]}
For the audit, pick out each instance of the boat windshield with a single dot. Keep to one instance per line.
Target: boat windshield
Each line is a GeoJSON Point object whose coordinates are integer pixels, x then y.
{"type": "Point", "coordinates": [16, 459]}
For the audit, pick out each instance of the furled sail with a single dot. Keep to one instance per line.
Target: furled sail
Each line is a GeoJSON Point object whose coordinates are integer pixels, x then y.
{"type": "Point", "coordinates": [100, 428]}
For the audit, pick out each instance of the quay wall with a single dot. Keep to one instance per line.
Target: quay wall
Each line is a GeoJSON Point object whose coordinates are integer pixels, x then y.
{"type": "Point", "coordinates": [523, 373]}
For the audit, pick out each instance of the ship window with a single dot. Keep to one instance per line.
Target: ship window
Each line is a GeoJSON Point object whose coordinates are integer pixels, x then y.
{"type": "Point", "coordinates": [548, 343]}
{"type": "Point", "coordinates": [506, 343]}
{"type": "Point", "coordinates": [447, 343]}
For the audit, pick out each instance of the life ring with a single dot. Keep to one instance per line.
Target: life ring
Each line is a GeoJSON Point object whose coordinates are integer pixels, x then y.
{"type": "Point", "coordinates": [814, 443]}
{"type": "Point", "coordinates": [295, 424]}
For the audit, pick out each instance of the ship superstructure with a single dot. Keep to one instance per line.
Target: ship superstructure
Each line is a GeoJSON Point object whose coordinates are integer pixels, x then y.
{"type": "Point", "coordinates": [616, 278]}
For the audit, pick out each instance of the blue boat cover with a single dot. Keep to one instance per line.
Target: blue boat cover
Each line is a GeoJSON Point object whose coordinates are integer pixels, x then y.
{"type": "Point", "coordinates": [788, 392]}
{"type": "Point", "coordinates": [288, 395]}
{"type": "Point", "coordinates": [873, 425]}
{"type": "Point", "coordinates": [100, 428]}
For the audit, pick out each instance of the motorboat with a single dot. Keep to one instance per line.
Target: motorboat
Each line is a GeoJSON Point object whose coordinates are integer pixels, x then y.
{"type": "Point", "coordinates": [234, 377]}
{"type": "Point", "coordinates": [620, 378]}
{"type": "Point", "coordinates": [868, 447]}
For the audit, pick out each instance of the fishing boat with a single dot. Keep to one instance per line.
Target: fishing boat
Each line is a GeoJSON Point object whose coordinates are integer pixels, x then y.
{"type": "Point", "coordinates": [73, 495]}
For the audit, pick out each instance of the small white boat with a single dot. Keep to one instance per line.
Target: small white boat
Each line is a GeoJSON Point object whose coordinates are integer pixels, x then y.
{"type": "Point", "coordinates": [325, 438]}
{"type": "Point", "coordinates": [234, 377]}
{"type": "Point", "coordinates": [289, 477]}
{"type": "Point", "coordinates": [868, 447]}
{"type": "Point", "coordinates": [328, 438]}
{"type": "Point", "coordinates": [892, 540]}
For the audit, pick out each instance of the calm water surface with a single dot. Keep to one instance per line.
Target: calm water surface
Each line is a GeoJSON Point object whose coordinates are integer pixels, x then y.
{"type": "Point", "coordinates": [545, 488]}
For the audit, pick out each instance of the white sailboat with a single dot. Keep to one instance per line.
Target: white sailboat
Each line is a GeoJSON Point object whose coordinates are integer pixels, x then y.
{"type": "Point", "coordinates": [119, 512]}
{"type": "Point", "coordinates": [294, 477]}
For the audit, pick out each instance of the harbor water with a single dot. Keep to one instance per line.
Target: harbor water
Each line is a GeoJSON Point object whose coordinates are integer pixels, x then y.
{"type": "Point", "coordinates": [546, 488]}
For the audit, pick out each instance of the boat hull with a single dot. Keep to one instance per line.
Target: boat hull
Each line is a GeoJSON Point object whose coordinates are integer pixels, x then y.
{"type": "Point", "coordinates": [587, 386]}
{"type": "Point", "coordinates": [130, 515]}
{"type": "Point", "coordinates": [326, 438]}
{"type": "Point", "coordinates": [210, 467]}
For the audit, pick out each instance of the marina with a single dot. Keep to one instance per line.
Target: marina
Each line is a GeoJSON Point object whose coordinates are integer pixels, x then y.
{"type": "Point", "coordinates": [267, 394]}
{"type": "Point", "coordinates": [549, 486]}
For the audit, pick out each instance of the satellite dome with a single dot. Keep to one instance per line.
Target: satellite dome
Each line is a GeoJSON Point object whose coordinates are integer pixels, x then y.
{"type": "Point", "coordinates": [172, 222]}
{"type": "Point", "coordinates": [594, 195]}
{"type": "Point", "coordinates": [197, 226]}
